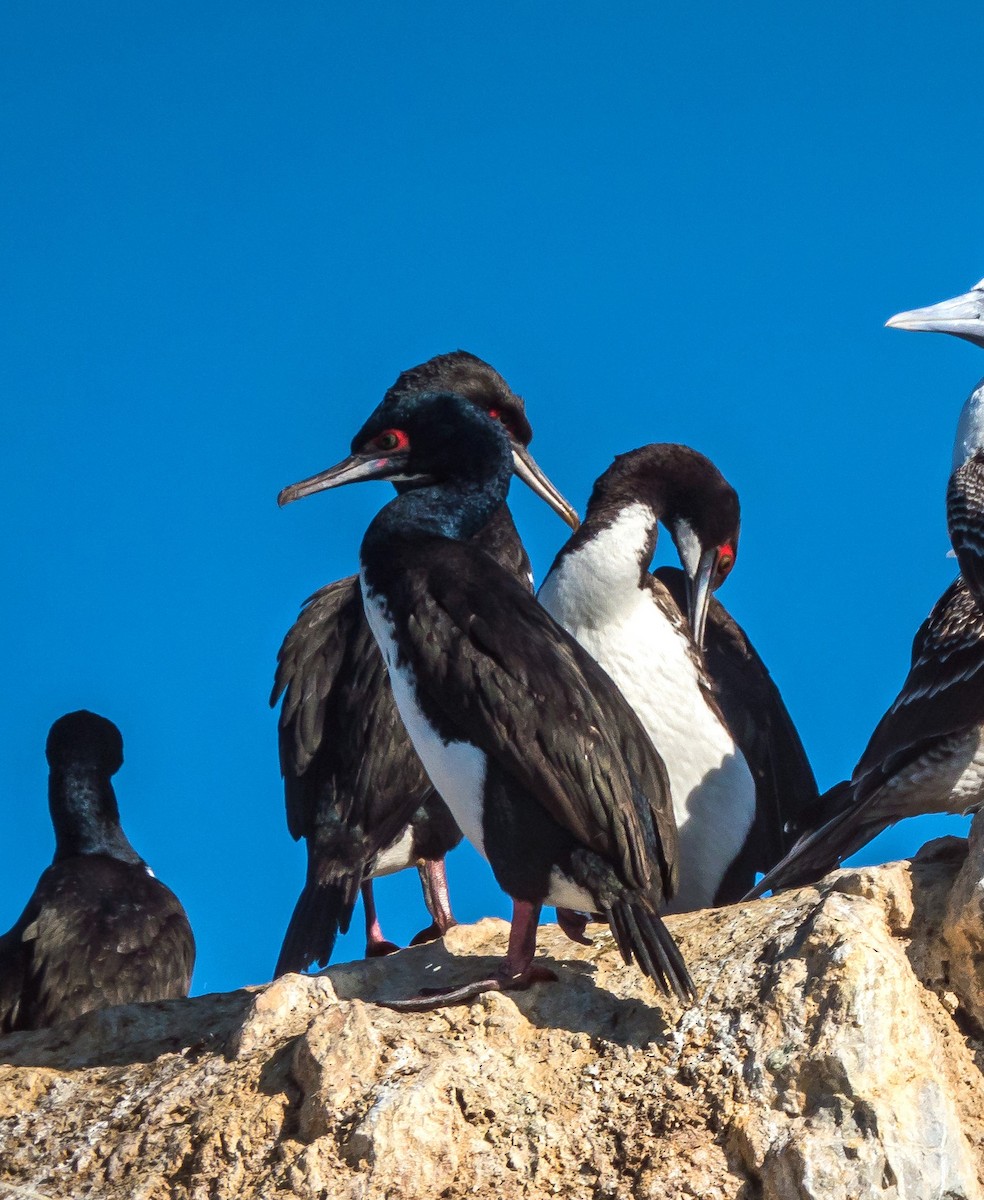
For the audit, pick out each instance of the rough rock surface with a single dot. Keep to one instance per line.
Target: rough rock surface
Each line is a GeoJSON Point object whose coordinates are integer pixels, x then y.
{"type": "Point", "coordinates": [834, 1053]}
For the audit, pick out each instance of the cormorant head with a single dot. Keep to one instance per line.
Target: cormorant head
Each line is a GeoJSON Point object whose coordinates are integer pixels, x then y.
{"type": "Point", "coordinates": [84, 740]}
{"type": "Point", "coordinates": [471, 378]}
{"type": "Point", "coordinates": [963, 316]}
{"type": "Point", "coordinates": [418, 439]}
{"type": "Point", "coordinates": [691, 497]}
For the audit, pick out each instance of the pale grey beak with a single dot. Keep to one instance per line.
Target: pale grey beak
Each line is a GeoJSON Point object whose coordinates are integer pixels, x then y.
{"type": "Point", "coordinates": [963, 316]}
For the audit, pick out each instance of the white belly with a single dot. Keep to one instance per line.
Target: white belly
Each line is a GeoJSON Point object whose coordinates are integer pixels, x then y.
{"type": "Point", "coordinates": [648, 659]}
{"type": "Point", "coordinates": [397, 856]}
{"type": "Point", "coordinates": [456, 769]}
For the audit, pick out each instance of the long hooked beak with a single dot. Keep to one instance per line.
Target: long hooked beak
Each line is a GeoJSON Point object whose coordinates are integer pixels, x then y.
{"type": "Point", "coordinates": [354, 469]}
{"type": "Point", "coordinates": [526, 469]}
{"type": "Point", "coordinates": [699, 594]}
{"type": "Point", "coordinates": [962, 316]}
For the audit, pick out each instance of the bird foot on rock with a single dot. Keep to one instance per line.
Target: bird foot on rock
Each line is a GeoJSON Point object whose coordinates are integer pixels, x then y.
{"type": "Point", "coordinates": [431, 998]}
{"type": "Point", "coordinates": [573, 924]}
{"type": "Point", "coordinates": [380, 949]}
{"type": "Point", "coordinates": [432, 933]}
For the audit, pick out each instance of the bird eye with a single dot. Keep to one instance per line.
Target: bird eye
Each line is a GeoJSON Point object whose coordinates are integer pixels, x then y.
{"type": "Point", "coordinates": [497, 414]}
{"type": "Point", "coordinates": [389, 439]}
{"type": "Point", "coordinates": [726, 560]}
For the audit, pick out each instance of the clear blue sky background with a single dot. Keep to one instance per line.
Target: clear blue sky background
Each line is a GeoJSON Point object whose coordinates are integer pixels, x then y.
{"type": "Point", "coordinates": [227, 227]}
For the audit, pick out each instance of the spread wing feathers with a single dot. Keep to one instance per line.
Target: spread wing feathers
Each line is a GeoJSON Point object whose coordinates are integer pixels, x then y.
{"type": "Point", "coordinates": [943, 693]}
{"type": "Point", "coordinates": [96, 932]}
{"type": "Point", "coordinates": [785, 787]}
{"type": "Point", "coordinates": [517, 686]}
{"type": "Point", "coordinates": [965, 520]}
{"type": "Point", "coordinates": [337, 703]}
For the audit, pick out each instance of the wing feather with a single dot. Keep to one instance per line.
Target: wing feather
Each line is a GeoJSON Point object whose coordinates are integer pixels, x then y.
{"type": "Point", "coordinates": [503, 673]}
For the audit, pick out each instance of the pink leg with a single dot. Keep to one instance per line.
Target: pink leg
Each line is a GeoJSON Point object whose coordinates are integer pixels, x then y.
{"type": "Point", "coordinates": [376, 944]}
{"type": "Point", "coordinates": [515, 973]}
{"type": "Point", "coordinates": [434, 882]}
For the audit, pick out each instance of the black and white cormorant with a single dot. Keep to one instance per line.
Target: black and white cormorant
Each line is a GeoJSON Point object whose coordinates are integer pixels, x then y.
{"type": "Point", "coordinates": [600, 589]}
{"type": "Point", "coordinates": [927, 752]}
{"type": "Point", "coordinates": [354, 787]}
{"type": "Point", "coordinates": [546, 769]}
{"type": "Point", "coordinates": [99, 928]}
{"type": "Point", "coordinates": [963, 316]}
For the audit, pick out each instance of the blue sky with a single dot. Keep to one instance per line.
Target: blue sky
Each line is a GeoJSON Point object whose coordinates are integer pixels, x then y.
{"type": "Point", "coordinates": [226, 228]}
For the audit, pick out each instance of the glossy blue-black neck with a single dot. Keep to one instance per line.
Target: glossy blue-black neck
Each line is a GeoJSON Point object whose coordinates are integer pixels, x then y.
{"type": "Point", "coordinates": [85, 815]}
{"type": "Point", "coordinates": [467, 461]}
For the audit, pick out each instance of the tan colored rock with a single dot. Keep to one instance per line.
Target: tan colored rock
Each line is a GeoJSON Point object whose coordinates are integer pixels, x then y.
{"type": "Point", "coordinates": [832, 1055]}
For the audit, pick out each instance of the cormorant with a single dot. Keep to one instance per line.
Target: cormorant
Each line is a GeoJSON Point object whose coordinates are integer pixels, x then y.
{"type": "Point", "coordinates": [353, 785]}
{"type": "Point", "coordinates": [546, 769]}
{"type": "Point", "coordinates": [600, 589]}
{"type": "Point", "coordinates": [99, 928]}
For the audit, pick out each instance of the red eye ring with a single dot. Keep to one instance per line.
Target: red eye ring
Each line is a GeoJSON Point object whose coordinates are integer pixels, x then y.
{"type": "Point", "coordinates": [389, 440]}
{"type": "Point", "coordinates": [726, 558]}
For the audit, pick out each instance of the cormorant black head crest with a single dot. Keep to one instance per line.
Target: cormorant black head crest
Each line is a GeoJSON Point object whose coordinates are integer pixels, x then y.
{"type": "Point", "coordinates": [469, 376]}
{"type": "Point", "coordinates": [84, 739]}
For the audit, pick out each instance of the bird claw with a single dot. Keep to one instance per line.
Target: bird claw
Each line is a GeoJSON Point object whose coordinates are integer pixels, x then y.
{"type": "Point", "coordinates": [380, 949]}
{"type": "Point", "coordinates": [428, 999]}
{"type": "Point", "coordinates": [431, 933]}
{"type": "Point", "coordinates": [573, 923]}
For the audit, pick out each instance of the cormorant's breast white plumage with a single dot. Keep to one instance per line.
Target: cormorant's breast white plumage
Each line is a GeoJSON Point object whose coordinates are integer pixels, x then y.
{"type": "Point", "coordinates": [595, 593]}
{"type": "Point", "coordinates": [456, 769]}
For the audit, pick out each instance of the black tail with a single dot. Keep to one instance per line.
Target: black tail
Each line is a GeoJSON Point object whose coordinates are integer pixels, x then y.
{"type": "Point", "coordinates": [846, 827]}
{"type": "Point", "coordinates": [641, 935]}
{"type": "Point", "coordinates": [322, 910]}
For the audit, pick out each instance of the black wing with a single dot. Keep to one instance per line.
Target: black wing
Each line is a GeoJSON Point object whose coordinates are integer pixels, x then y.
{"type": "Point", "coordinates": [965, 520]}
{"type": "Point", "coordinates": [785, 787]}
{"type": "Point", "coordinates": [504, 675]}
{"type": "Point", "coordinates": [943, 694]}
{"type": "Point", "coordinates": [338, 706]}
{"type": "Point", "coordinates": [95, 932]}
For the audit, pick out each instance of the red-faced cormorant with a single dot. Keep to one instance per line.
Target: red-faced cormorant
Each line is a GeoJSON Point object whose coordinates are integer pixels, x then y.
{"type": "Point", "coordinates": [927, 752]}
{"type": "Point", "coordinates": [546, 769]}
{"type": "Point", "coordinates": [99, 928]}
{"type": "Point", "coordinates": [354, 787]}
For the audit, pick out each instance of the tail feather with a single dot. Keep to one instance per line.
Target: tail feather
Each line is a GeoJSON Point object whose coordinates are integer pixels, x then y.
{"type": "Point", "coordinates": [641, 935]}
{"type": "Point", "coordinates": [323, 909]}
{"type": "Point", "coordinates": [823, 850]}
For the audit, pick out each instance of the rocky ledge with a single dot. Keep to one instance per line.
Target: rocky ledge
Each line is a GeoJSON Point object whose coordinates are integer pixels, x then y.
{"type": "Point", "coordinates": [836, 1051]}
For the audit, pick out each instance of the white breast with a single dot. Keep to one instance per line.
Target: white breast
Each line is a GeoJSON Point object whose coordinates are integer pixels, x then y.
{"type": "Point", "coordinates": [594, 593]}
{"type": "Point", "coordinates": [456, 769]}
